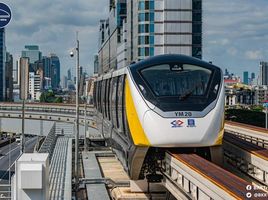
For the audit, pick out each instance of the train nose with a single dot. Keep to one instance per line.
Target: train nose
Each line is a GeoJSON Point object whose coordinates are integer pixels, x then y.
{"type": "Point", "coordinates": [170, 132]}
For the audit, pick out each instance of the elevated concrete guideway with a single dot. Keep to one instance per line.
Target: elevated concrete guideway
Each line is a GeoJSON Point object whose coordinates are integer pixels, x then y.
{"type": "Point", "coordinates": [47, 112]}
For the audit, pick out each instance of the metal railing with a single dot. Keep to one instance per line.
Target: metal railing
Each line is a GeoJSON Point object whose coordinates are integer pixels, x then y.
{"type": "Point", "coordinates": [48, 109]}
{"type": "Point", "coordinates": [49, 143]}
{"type": "Point", "coordinates": [249, 138]}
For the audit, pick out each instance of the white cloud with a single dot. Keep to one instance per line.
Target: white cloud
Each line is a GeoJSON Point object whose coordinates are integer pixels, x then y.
{"type": "Point", "coordinates": [52, 25]}
{"type": "Point", "coordinates": [254, 55]}
{"type": "Point", "coordinates": [232, 51]}
{"type": "Point", "coordinates": [222, 42]}
{"type": "Point", "coordinates": [230, 28]}
{"type": "Point", "coordinates": [244, 23]}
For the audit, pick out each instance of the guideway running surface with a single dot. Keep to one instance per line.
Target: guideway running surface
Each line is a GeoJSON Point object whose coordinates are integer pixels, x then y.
{"type": "Point", "coordinates": [247, 126]}
{"type": "Point", "coordinates": [228, 185]}
{"type": "Point", "coordinates": [247, 146]}
{"type": "Point", "coordinates": [246, 157]}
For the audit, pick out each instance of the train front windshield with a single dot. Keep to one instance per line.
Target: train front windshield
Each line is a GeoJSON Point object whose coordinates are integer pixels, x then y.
{"type": "Point", "coordinates": [181, 81]}
{"type": "Point", "coordinates": [180, 86]}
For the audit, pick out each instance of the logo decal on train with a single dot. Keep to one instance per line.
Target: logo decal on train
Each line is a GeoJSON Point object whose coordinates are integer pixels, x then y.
{"type": "Point", "coordinates": [176, 123]}
{"type": "Point", "coordinates": [191, 123]}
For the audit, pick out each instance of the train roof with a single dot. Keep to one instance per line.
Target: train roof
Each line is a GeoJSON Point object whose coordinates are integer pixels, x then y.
{"type": "Point", "coordinates": [171, 58]}
{"type": "Point", "coordinates": [156, 60]}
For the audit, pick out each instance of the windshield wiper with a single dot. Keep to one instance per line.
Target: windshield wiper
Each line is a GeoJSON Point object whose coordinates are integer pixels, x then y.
{"type": "Point", "coordinates": [189, 92]}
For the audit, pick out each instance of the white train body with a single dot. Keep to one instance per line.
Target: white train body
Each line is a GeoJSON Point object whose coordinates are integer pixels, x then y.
{"type": "Point", "coordinates": [168, 101]}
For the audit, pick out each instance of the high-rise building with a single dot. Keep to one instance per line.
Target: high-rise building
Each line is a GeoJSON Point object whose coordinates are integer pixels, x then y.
{"type": "Point", "coordinates": [40, 72]}
{"type": "Point", "coordinates": [226, 72]}
{"type": "Point", "coordinates": [96, 64]}
{"type": "Point", "coordinates": [15, 73]}
{"type": "Point", "coordinates": [69, 74]}
{"type": "Point", "coordinates": [47, 66]}
{"type": "Point", "coordinates": [34, 86]}
{"type": "Point", "coordinates": [47, 83]}
{"type": "Point", "coordinates": [80, 72]}
{"type": "Point", "coordinates": [9, 77]}
{"type": "Point", "coordinates": [37, 65]}
{"type": "Point", "coordinates": [32, 52]}
{"type": "Point", "coordinates": [74, 79]}
{"type": "Point", "coordinates": [24, 77]}
{"type": "Point", "coordinates": [137, 29]}
{"type": "Point", "coordinates": [245, 78]}
{"type": "Point", "coordinates": [55, 78]}
{"type": "Point", "coordinates": [51, 67]}
{"type": "Point", "coordinates": [261, 93]}
{"type": "Point", "coordinates": [64, 81]}
{"type": "Point", "coordinates": [2, 64]}
{"type": "Point", "coordinates": [264, 73]}
{"type": "Point", "coordinates": [164, 27]}
{"type": "Point", "coordinates": [253, 76]}
{"type": "Point", "coordinates": [18, 74]}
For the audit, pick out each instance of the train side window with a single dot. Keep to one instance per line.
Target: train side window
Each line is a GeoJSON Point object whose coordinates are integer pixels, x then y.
{"type": "Point", "coordinates": [119, 102]}
{"type": "Point", "coordinates": [97, 95]}
{"type": "Point", "coordinates": [103, 97]}
{"type": "Point", "coordinates": [114, 100]}
{"type": "Point", "coordinates": [94, 94]}
{"type": "Point", "coordinates": [108, 99]}
{"type": "Point", "coordinates": [100, 84]}
{"type": "Point", "coordinates": [124, 106]}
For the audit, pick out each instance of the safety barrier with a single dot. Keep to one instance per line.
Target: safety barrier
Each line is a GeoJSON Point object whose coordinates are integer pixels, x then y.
{"type": "Point", "coordinates": [49, 143]}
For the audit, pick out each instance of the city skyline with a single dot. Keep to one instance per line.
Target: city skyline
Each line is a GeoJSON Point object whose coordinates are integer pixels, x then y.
{"type": "Point", "coordinates": [236, 42]}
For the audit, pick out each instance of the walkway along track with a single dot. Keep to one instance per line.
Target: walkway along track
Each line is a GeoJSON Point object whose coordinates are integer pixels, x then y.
{"type": "Point", "coordinates": [200, 179]}
{"type": "Point", "coordinates": [246, 157]}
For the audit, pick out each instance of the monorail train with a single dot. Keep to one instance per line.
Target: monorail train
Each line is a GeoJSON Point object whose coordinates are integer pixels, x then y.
{"type": "Point", "coordinates": [166, 101]}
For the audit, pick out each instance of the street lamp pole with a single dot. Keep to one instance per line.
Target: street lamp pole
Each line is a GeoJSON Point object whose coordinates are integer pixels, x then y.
{"type": "Point", "coordinates": [266, 113]}
{"type": "Point", "coordinates": [77, 111]}
{"type": "Point", "coordinates": [22, 127]}
{"type": "Point", "coordinates": [85, 120]}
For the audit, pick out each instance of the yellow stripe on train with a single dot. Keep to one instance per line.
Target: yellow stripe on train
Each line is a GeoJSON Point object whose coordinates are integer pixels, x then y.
{"type": "Point", "coordinates": [136, 130]}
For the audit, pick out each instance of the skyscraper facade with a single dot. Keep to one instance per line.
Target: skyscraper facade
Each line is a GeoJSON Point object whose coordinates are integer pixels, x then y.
{"type": "Point", "coordinates": [264, 73]}
{"type": "Point", "coordinates": [55, 78]}
{"type": "Point", "coordinates": [64, 81]}
{"type": "Point", "coordinates": [69, 74]}
{"type": "Point", "coordinates": [2, 64]}
{"type": "Point", "coordinates": [24, 77]}
{"type": "Point", "coordinates": [9, 77]}
{"type": "Point", "coordinates": [143, 28]}
{"type": "Point", "coordinates": [245, 78]}
{"type": "Point", "coordinates": [164, 27]}
{"type": "Point", "coordinates": [47, 66]}
{"type": "Point", "coordinates": [32, 52]}
{"type": "Point", "coordinates": [15, 72]}
{"type": "Point", "coordinates": [18, 69]}
{"type": "Point", "coordinates": [252, 75]}
{"type": "Point", "coordinates": [34, 86]}
{"type": "Point", "coordinates": [51, 69]}
{"type": "Point", "coordinates": [96, 64]}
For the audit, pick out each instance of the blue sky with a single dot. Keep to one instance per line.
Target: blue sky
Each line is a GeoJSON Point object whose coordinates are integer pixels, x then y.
{"type": "Point", "coordinates": [235, 33]}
